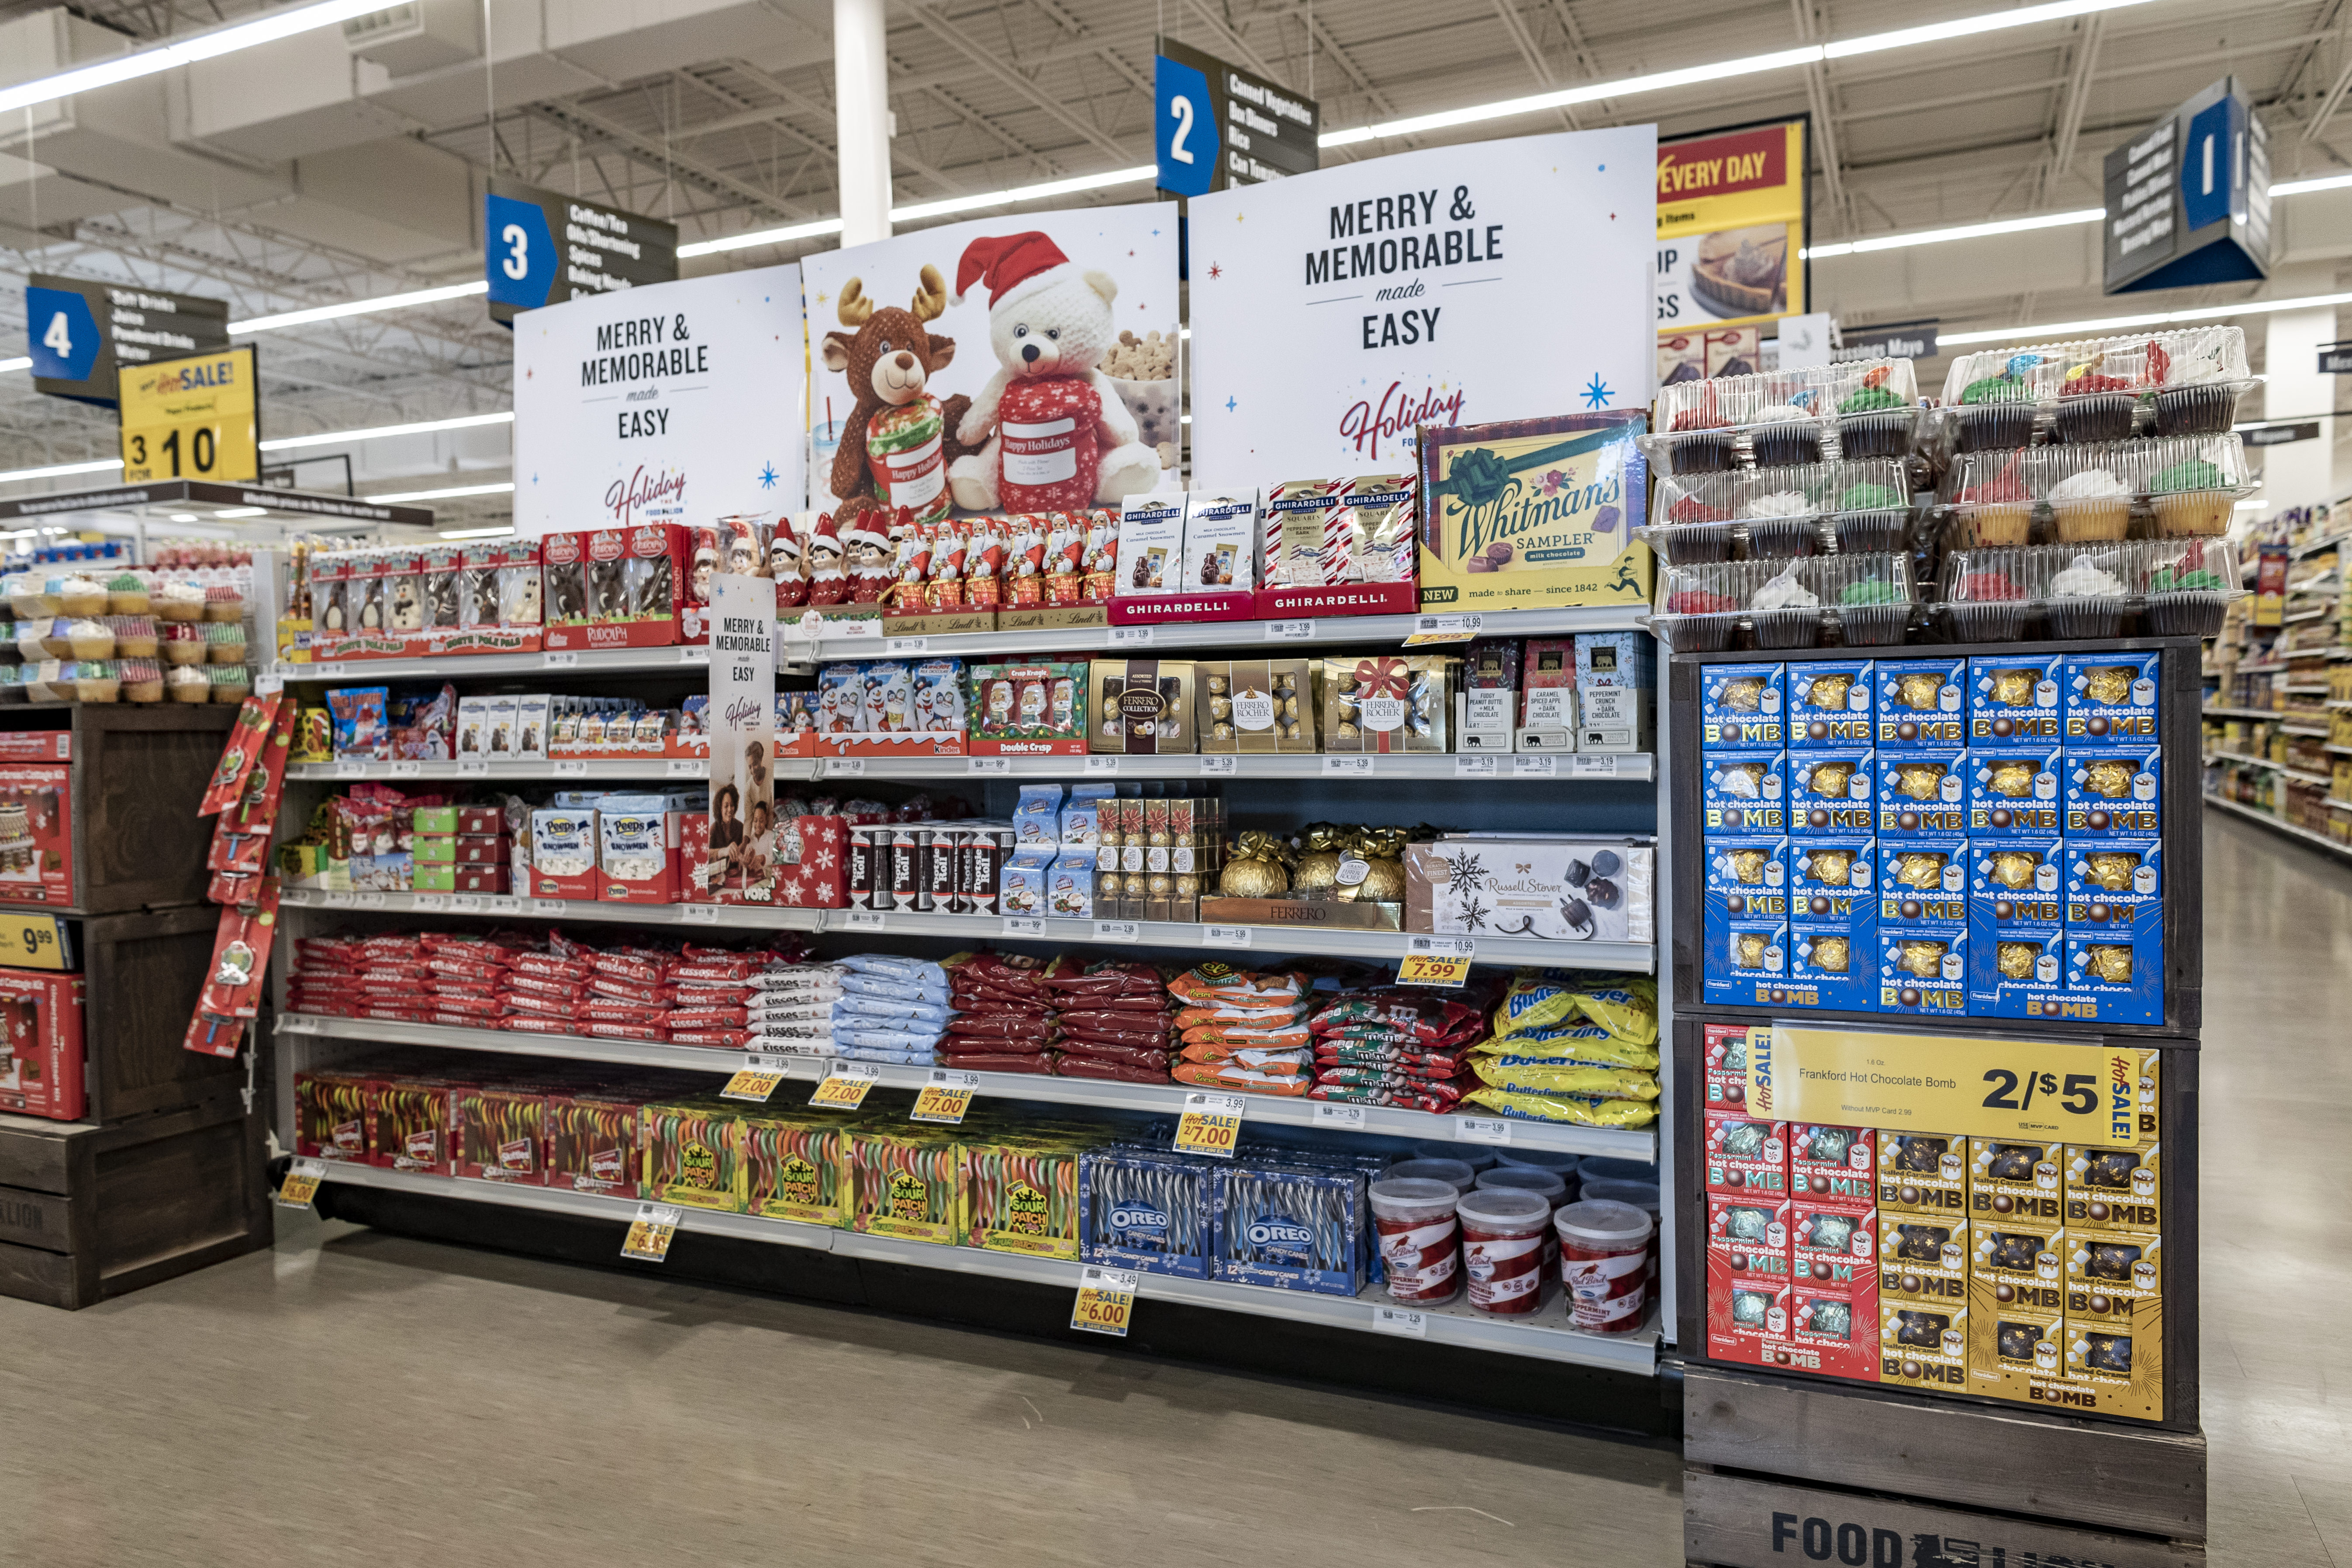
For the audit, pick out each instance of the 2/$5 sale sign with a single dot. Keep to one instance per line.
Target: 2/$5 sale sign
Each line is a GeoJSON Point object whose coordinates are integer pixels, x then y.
{"type": "Point", "coordinates": [196, 418]}
{"type": "Point", "coordinates": [674, 403]}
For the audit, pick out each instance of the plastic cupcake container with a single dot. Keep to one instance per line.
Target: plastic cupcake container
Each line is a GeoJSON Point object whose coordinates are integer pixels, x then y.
{"type": "Point", "coordinates": [1685, 543]}
{"type": "Point", "coordinates": [223, 604]}
{"type": "Point", "coordinates": [187, 683]}
{"type": "Point", "coordinates": [2089, 598]}
{"type": "Point", "coordinates": [142, 680]}
{"type": "Point", "coordinates": [134, 637]}
{"type": "Point", "coordinates": [2188, 586]}
{"type": "Point", "coordinates": [1785, 609]}
{"type": "Point", "coordinates": [183, 642]}
{"type": "Point", "coordinates": [79, 598]}
{"type": "Point", "coordinates": [126, 594]}
{"type": "Point", "coordinates": [225, 642]}
{"type": "Point", "coordinates": [96, 680]}
{"type": "Point", "coordinates": [1871, 597]}
{"type": "Point", "coordinates": [230, 682]}
{"type": "Point", "coordinates": [1992, 595]}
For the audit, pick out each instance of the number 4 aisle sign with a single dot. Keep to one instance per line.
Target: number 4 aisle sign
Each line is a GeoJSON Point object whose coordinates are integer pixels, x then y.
{"type": "Point", "coordinates": [2038, 1091]}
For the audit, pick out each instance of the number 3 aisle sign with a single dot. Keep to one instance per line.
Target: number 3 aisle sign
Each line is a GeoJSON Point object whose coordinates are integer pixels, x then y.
{"type": "Point", "coordinates": [197, 419]}
{"type": "Point", "coordinates": [2039, 1092]}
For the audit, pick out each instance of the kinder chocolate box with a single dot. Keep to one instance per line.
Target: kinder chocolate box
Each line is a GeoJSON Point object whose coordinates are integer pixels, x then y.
{"type": "Point", "coordinates": [2110, 698]}
{"type": "Point", "coordinates": [1922, 1258]}
{"type": "Point", "coordinates": [2012, 791]}
{"type": "Point", "coordinates": [1923, 1346]}
{"type": "Point", "coordinates": [1743, 791]}
{"type": "Point", "coordinates": [1829, 703]}
{"type": "Point", "coordinates": [1923, 1173]}
{"type": "Point", "coordinates": [2015, 698]}
{"type": "Point", "coordinates": [1832, 1244]}
{"type": "Point", "coordinates": [2114, 1189]}
{"type": "Point", "coordinates": [1923, 883]}
{"type": "Point", "coordinates": [1745, 1158]}
{"type": "Point", "coordinates": [1743, 705]}
{"type": "Point", "coordinates": [2015, 881]}
{"type": "Point", "coordinates": [1922, 703]}
{"type": "Point", "coordinates": [1833, 1164]}
{"type": "Point", "coordinates": [2115, 886]}
{"type": "Point", "coordinates": [2015, 971]}
{"type": "Point", "coordinates": [2119, 972]}
{"type": "Point", "coordinates": [1832, 791]}
{"type": "Point", "coordinates": [2113, 794]}
{"type": "Point", "coordinates": [2011, 1181]}
{"type": "Point", "coordinates": [1922, 791]}
{"type": "Point", "coordinates": [1923, 969]}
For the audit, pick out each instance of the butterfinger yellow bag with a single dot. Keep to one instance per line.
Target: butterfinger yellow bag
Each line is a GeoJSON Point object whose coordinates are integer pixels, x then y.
{"type": "Point", "coordinates": [1625, 1005]}
{"type": "Point", "coordinates": [1587, 1045]}
{"type": "Point", "coordinates": [1593, 1083]}
{"type": "Point", "coordinates": [1570, 1108]}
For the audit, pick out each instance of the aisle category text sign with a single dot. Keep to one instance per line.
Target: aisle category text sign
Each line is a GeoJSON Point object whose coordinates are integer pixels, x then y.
{"type": "Point", "coordinates": [82, 335]}
{"type": "Point", "coordinates": [542, 247]}
{"type": "Point", "coordinates": [2037, 1090]}
{"type": "Point", "coordinates": [1219, 126]}
{"type": "Point", "coordinates": [197, 419]}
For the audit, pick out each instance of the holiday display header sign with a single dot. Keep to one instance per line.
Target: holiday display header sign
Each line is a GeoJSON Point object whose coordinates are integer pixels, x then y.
{"type": "Point", "coordinates": [1335, 311]}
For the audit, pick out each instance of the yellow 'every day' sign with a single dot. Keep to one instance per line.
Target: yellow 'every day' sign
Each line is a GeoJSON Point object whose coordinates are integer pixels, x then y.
{"type": "Point", "coordinates": [2044, 1091]}
{"type": "Point", "coordinates": [196, 418]}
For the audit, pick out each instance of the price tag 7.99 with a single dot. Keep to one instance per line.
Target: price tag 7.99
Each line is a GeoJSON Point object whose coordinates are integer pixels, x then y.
{"type": "Point", "coordinates": [1211, 1124]}
{"type": "Point", "coordinates": [1436, 961]}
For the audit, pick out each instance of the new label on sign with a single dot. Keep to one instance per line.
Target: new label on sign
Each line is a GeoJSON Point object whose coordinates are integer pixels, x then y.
{"type": "Point", "coordinates": [600, 249]}
{"type": "Point", "coordinates": [82, 335]}
{"type": "Point", "coordinates": [2039, 1091]}
{"type": "Point", "coordinates": [196, 418]}
{"type": "Point", "coordinates": [1215, 126]}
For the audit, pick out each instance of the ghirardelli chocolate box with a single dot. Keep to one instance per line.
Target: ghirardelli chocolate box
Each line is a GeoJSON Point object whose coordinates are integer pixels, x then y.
{"type": "Point", "coordinates": [2015, 1182]}
{"type": "Point", "coordinates": [1923, 1173]}
{"type": "Point", "coordinates": [2015, 698]}
{"type": "Point", "coordinates": [2114, 1189]}
{"type": "Point", "coordinates": [1744, 1158]}
{"type": "Point", "coordinates": [1921, 704]}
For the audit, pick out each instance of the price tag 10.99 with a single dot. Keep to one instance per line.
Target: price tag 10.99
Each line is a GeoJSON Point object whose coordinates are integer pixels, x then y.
{"type": "Point", "coordinates": [1211, 1124]}
{"type": "Point", "coordinates": [845, 1086]}
{"type": "Point", "coordinates": [1436, 961]}
{"type": "Point", "coordinates": [947, 1097]}
{"type": "Point", "coordinates": [1105, 1303]}
{"type": "Point", "coordinates": [651, 1233]}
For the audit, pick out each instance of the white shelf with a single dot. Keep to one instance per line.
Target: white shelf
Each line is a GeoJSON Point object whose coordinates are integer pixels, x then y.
{"type": "Point", "coordinates": [1564, 767]}
{"type": "Point", "coordinates": [2212, 711]}
{"type": "Point", "coordinates": [2277, 823]}
{"type": "Point", "coordinates": [2221, 756]}
{"type": "Point", "coordinates": [593, 662]}
{"type": "Point", "coordinates": [2304, 730]}
{"type": "Point", "coordinates": [1547, 1338]}
{"type": "Point", "coordinates": [1167, 1100]}
{"type": "Point", "coordinates": [1638, 957]}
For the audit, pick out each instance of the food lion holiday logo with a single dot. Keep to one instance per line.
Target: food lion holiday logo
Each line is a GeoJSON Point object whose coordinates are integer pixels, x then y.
{"type": "Point", "coordinates": [1140, 1219]}
{"type": "Point", "coordinates": [659, 495]}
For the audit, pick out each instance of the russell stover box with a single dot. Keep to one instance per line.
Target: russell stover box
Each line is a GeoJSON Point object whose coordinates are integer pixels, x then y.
{"type": "Point", "coordinates": [1743, 791]}
{"type": "Point", "coordinates": [1832, 791]}
{"type": "Point", "coordinates": [2114, 1189]}
{"type": "Point", "coordinates": [1923, 1173]}
{"type": "Point", "coordinates": [1829, 703]}
{"type": "Point", "coordinates": [1746, 916]}
{"type": "Point", "coordinates": [1922, 792]}
{"type": "Point", "coordinates": [1743, 705]}
{"type": "Point", "coordinates": [1922, 703]}
{"type": "Point", "coordinates": [2012, 790]}
{"type": "Point", "coordinates": [2014, 698]}
{"type": "Point", "coordinates": [1745, 1158]}
{"type": "Point", "coordinates": [2110, 698]}
{"type": "Point", "coordinates": [1922, 1257]}
{"type": "Point", "coordinates": [1833, 1164]}
{"type": "Point", "coordinates": [2113, 794]}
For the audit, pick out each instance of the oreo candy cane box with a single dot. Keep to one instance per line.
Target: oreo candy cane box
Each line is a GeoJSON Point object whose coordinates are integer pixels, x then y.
{"type": "Point", "coordinates": [1743, 705]}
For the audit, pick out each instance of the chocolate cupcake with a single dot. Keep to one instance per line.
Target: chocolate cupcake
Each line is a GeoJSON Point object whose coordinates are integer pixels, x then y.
{"type": "Point", "coordinates": [1784, 436]}
{"type": "Point", "coordinates": [1706, 452]}
{"type": "Point", "coordinates": [2099, 417]}
{"type": "Point", "coordinates": [1996, 412]}
{"type": "Point", "coordinates": [2208, 409]}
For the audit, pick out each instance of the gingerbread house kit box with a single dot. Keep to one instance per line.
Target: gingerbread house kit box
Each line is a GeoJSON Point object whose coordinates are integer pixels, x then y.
{"type": "Point", "coordinates": [1534, 513]}
{"type": "Point", "coordinates": [37, 818]}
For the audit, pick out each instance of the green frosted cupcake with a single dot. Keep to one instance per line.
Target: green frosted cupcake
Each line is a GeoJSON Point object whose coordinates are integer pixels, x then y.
{"type": "Point", "coordinates": [1868, 400]}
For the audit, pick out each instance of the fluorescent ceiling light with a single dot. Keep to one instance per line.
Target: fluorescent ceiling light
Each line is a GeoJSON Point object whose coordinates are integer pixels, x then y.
{"type": "Point", "coordinates": [761, 237]}
{"type": "Point", "coordinates": [1966, 231]}
{"type": "Point", "coordinates": [384, 432]}
{"type": "Point", "coordinates": [451, 493]}
{"type": "Point", "coordinates": [65, 470]}
{"type": "Point", "coordinates": [231, 513]}
{"type": "Point", "coordinates": [2300, 187]}
{"type": "Point", "coordinates": [349, 308]}
{"type": "Point", "coordinates": [185, 50]}
{"type": "Point", "coordinates": [183, 517]}
{"type": "Point", "coordinates": [2152, 319]}
{"type": "Point", "coordinates": [926, 209]}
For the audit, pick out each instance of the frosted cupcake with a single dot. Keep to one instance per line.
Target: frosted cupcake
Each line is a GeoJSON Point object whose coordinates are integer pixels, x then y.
{"type": "Point", "coordinates": [2091, 505]}
{"type": "Point", "coordinates": [2086, 601]}
{"type": "Point", "coordinates": [134, 635]}
{"type": "Point", "coordinates": [230, 682]}
{"type": "Point", "coordinates": [182, 642]}
{"type": "Point", "coordinates": [89, 639]}
{"type": "Point", "coordinates": [1780, 525]}
{"type": "Point", "coordinates": [2191, 500]}
{"type": "Point", "coordinates": [29, 598]}
{"type": "Point", "coordinates": [2000, 509]}
{"type": "Point", "coordinates": [180, 602]}
{"type": "Point", "coordinates": [225, 642]}
{"type": "Point", "coordinates": [224, 605]}
{"type": "Point", "coordinates": [45, 638]}
{"type": "Point", "coordinates": [1784, 613]}
{"type": "Point", "coordinates": [126, 594]}
{"type": "Point", "coordinates": [142, 680]}
{"type": "Point", "coordinates": [185, 683]}
{"type": "Point", "coordinates": [80, 596]}
{"type": "Point", "coordinates": [96, 680]}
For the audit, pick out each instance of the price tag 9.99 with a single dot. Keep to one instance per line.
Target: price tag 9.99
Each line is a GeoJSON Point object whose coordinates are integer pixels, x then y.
{"type": "Point", "coordinates": [1211, 1124]}
{"type": "Point", "coordinates": [1106, 1300]}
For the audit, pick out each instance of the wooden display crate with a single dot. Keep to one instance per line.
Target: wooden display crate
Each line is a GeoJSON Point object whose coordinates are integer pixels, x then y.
{"type": "Point", "coordinates": [89, 1211]}
{"type": "Point", "coordinates": [139, 772]}
{"type": "Point", "coordinates": [143, 972]}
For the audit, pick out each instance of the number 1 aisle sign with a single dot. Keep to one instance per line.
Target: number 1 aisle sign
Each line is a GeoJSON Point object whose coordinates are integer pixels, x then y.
{"type": "Point", "coordinates": [2042, 1092]}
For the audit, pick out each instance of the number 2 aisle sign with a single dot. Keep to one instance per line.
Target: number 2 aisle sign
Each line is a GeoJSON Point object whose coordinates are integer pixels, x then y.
{"type": "Point", "coordinates": [194, 418]}
{"type": "Point", "coordinates": [2040, 1092]}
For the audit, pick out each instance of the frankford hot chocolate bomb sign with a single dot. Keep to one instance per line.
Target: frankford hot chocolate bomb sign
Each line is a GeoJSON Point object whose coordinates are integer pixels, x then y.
{"type": "Point", "coordinates": [675, 403]}
{"type": "Point", "coordinates": [1334, 311]}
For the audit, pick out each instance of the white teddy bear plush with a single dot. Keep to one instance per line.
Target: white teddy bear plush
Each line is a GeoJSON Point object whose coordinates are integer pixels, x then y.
{"type": "Point", "coordinates": [1057, 435]}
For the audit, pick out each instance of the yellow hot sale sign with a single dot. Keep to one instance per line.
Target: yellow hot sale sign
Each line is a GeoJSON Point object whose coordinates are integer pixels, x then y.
{"type": "Point", "coordinates": [196, 418]}
{"type": "Point", "coordinates": [2038, 1091]}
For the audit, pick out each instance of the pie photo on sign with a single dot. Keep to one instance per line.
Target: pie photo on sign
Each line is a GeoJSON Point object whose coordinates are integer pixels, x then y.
{"type": "Point", "coordinates": [1744, 271]}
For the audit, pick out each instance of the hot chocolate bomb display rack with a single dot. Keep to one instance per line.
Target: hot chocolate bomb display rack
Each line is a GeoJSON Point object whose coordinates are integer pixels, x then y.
{"type": "Point", "coordinates": [1259, 790]}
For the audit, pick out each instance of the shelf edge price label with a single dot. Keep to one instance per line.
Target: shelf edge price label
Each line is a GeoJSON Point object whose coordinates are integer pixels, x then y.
{"type": "Point", "coordinates": [2036, 1091]}
{"type": "Point", "coordinates": [698, 914]}
{"type": "Point", "coordinates": [1470, 765]}
{"type": "Point", "coordinates": [431, 903]}
{"type": "Point", "coordinates": [1220, 764]}
{"type": "Point", "coordinates": [1398, 1321]}
{"type": "Point", "coordinates": [756, 1079]}
{"type": "Point", "coordinates": [686, 768]}
{"type": "Point", "coordinates": [1130, 636]}
{"type": "Point", "coordinates": [1106, 1302]}
{"type": "Point", "coordinates": [1436, 961]}
{"type": "Point", "coordinates": [988, 765]}
{"type": "Point", "coordinates": [1595, 765]}
{"type": "Point", "coordinates": [1427, 629]}
{"type": "Point", "coordinates": [300, 1185]}
{"type": "Point", "coordinates": [1226, 936]}
{"type": "Point", "coordinates": [695, 653]}
{"type": "Point", "coordinates": [1290, 631]}
{"type": "Point", "coordinates": [572, 768]}
{"type": "Point", "coordinates": [894, 646]}
{"type": "Point", "coordinates": [1535, 767]}
{"type": "Point", "coordinates": [1339, 1118]}
{"type": "Point", "coordinates": [35, 942]}
{"type": "Point", "coordinates": [651, 1233]}
{"type": "Point", "coordinates": [1211, 1124]}
{"type": "Point", "coordinates": [864, 919]}
{"type": "Point", "coordinates": [1343, 766]}
{"type": "Point", "coordinates": [351, 770]}
{"type": "Point", "coordinates": [1025, 926]}
{"type": "Point", "coordinates": [407, 770]}
{"type": "Point", "coordinates": [1482, 1129]}
{"type": "Point", "coordinates": [845, 1086]}
{"type": "Point", "coordinates": [1119, 930]}
{"type": "Point", "coordinates": [473, 767]}
{"type": "Point", "coordinates": [465, 903]}
{"type": "Point", "coordinates": [845, 767]}
{"type": "Point", "coordinates": [1102, 764]}
{"type": "Point", "coordinates": [340, 900]}
{"type": "Point", "coordinates": [548, 906]}
{"type": "Point", "coordinates": [946, 1097]}
{"type": "Point", "coordinates": [560, 660]}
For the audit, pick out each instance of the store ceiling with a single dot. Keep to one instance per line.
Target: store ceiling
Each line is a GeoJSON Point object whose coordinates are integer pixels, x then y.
{"type": "Point", "coordinates": [283, 178]}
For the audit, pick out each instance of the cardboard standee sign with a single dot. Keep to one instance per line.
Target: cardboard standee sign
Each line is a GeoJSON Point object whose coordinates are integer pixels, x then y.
{"type": "Point", "coordinates": [739, 855]}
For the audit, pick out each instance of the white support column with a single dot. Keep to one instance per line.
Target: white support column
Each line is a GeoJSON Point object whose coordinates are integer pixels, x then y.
{"type": "Point", "coordinates": [861, 97]}
{"type": "Point", "coordinates": [2304, 473]}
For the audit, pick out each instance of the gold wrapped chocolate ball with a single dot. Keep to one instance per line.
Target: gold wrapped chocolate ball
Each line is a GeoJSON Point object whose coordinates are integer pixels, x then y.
{"type": "Point", "coordinates": [2107, 684]}
{"type": "Point", "coordinates": [1918, 781]}
{"type": "Point", "coordinates": [1188, 884]}
{"type": "Point", "coordinates": [1832, 955]}
{"type": "Point", "coordinates": [1221, 707]}
{"type": "Point", "coordinates": [1290, 732]}
{"type": "Point", "coordinates": [1829, 692]}
{"type": "Point", "coordinates": [1290, 709]}
{"type": "Point", "coordinates": [2111, 870]}
{"type": "Point", "coordinates": [1747, 950]}
{"type": "Point", "coordinates": [1831, 779]}
{"type": "Point", "coordinates": [1833, 868]}
{"type": "Point", "coordinates": [1252, 879]}
{"type": "Point", "coordinates": [1745, 695]}
{"type": "Point", "coordinates": [1221, 731]}
{"type": "Point", "coordinates": [1346, 731]}
{"type": "Point", "coordinates": [2014, 780]}
{"type": "Point", "coordinates": [1919, 869]}
{"type": "Point", "coordinates": [1383, 882]}
{"type": "Point", "coordinates": [2110, 779]}
{"type": "Point", "coordinates": [2110, 963]}
{"type": "Point", "coordinates": [1923, 959]}
{"type": "Point", "coordinates": [1918, 692]}
{"type": "Point", "coordinates": [1748, 865]}
{"type": "Point", "coordinates": [1159, 884]}
{"type": "Point", "coordinates": [1218, 685]}
{"type": "Point", "coordinates": [2014, 688]}
{"type": "Point", "coordinates": [2015, 959]}
{"type": "Point", "coordinates": [2014, 868]}
{"type": "Point", "coordinates": [1319, 853]}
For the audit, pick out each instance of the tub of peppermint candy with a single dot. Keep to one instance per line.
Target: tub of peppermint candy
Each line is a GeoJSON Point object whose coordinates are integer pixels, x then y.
{"type": "Point", "coordinates": [1603, 1263]}
{"type": "Point", "coordinates": [1503, 1248]}
{"type": "Point", "coordinates": [1419, 1238]}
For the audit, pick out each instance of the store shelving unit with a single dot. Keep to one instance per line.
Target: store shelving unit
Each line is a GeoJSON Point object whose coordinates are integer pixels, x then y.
{"type": "Point", "coordinates": [2274, 680]}
{"type": "Point", "coordinates": [1503, 789]}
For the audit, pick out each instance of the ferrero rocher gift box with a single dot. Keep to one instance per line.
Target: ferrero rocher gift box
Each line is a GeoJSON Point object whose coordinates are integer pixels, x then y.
{"type": "Point", "coordinates": [1142, 707]}
{"type": "Point", "coordinates": [1534, 513]}
{"type": "Point", "coordinates": [1253, 706]}
{"type": "Point", "coordinates": [1386, 702]}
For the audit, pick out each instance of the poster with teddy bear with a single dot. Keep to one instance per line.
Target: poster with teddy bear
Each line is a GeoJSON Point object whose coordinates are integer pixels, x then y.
{"type": "Point", "coordinates": [1024, 363]}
